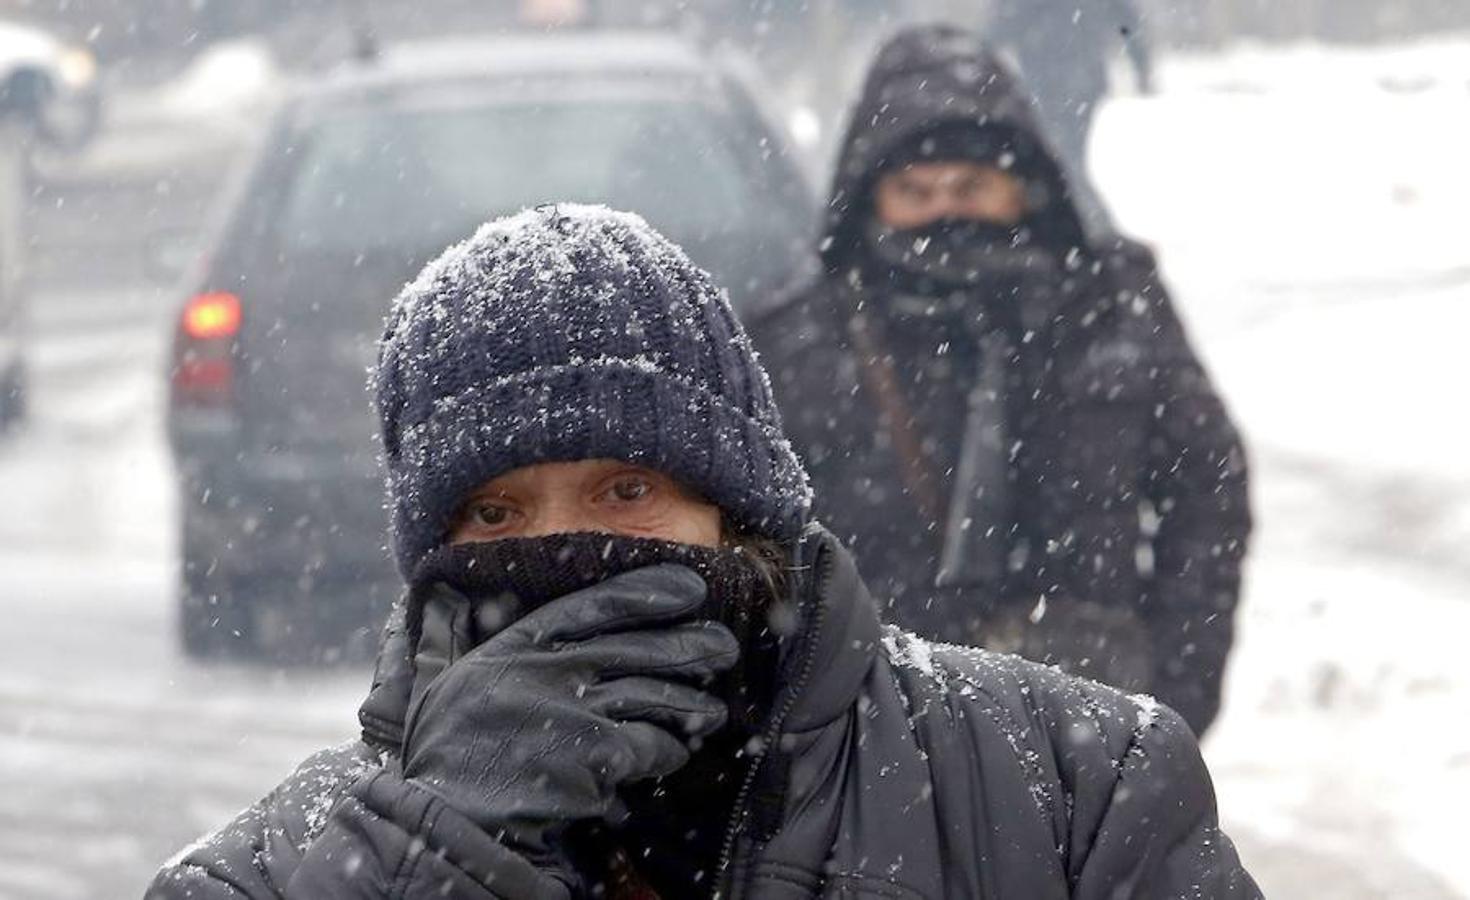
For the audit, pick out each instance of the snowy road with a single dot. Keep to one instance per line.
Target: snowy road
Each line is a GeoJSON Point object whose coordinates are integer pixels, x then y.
{"type": "Point", "coordinates": [113, 749]}
{"type": "Point", "coordinates": [1334, 325]}
{"type": "Point", "coordinates": [1309, 209]}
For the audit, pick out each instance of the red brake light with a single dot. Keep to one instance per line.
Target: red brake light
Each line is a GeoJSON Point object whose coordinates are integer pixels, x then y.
{"type": "Point", "coordinates": [210, 316]}
{"type": "Point", "coordinates": [203, 374]}
{"type": "Point", "coordinates": [204, 367]}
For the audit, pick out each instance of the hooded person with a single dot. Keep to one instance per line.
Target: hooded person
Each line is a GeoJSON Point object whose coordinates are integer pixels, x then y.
{"type": "Point", "coordinates": [627, 664]}
{"type": "Point", "coordinates": [998, 405]}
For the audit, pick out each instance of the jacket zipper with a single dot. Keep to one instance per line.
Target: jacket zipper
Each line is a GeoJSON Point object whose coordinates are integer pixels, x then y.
{"type": "Point", "coordinates": [821, 571]}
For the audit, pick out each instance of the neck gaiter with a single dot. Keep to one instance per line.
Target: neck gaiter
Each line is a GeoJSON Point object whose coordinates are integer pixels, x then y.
{"type": "Point", "coordinates": [464, 594]}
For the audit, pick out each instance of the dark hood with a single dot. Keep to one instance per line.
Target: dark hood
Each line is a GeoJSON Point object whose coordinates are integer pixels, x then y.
{"type": "Point", "coordinates": [925, 79]}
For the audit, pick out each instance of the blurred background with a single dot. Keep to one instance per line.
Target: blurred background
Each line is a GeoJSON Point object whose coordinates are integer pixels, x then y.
{"type": "Point", "coordinates": [180, 175]}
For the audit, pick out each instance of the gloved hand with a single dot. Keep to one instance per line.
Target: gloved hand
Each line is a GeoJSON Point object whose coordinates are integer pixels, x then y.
{"type": "Point", "coordinates": [536, 728]}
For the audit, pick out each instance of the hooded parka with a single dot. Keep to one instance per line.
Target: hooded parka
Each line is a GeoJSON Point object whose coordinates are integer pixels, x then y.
{"type": "Point", "coordinates": [890, 768]}
{"type": "Point", "coordinates": [1101, 473]}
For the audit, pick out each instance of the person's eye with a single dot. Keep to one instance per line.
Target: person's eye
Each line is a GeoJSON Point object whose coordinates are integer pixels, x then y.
{"type": "Point", "coordinates": [489, 515]}
{"type": "Point", "coordinates": [629, 489]}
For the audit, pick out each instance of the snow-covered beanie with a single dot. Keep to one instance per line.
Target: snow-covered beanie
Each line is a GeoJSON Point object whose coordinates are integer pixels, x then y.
{"type": "Point", "coordinates": [574, 332]}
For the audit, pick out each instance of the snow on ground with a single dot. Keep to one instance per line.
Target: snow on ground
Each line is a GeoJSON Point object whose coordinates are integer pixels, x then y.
{"type": "Point", "coordinates": [1309, 206]}
{"type": "Point", "coordinates": [114, 750]}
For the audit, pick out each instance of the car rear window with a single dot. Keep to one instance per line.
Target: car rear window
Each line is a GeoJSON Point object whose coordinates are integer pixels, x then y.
{"type": "Point", "coordinates": [418, 178]}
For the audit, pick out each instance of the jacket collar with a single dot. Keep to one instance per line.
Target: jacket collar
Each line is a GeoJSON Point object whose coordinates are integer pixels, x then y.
{"type": "Point", "coordinates": [839, 639]}
{"type": "Point", "coordinates": [384, 712]}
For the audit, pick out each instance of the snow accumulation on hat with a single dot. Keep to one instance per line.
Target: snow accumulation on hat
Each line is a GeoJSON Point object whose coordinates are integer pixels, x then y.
{"type": "Point", "coordinates": [573, 332]}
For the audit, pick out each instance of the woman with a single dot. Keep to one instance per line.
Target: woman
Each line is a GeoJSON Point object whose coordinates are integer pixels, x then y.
{"type": "Point", "coordinates": [626, 664]}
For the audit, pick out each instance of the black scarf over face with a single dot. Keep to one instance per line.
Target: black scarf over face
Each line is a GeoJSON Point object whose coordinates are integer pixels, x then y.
{"type": "Point", "coordinates": [463, 595]}
{"type": "Point", "coordinates": [957, 256]}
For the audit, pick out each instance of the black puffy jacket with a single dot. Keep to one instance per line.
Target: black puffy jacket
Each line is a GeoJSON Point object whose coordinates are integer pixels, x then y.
{"type": "Point", "coordinates": [1128, 479]}
{"type": "Point", "coordinates": [893, 768]}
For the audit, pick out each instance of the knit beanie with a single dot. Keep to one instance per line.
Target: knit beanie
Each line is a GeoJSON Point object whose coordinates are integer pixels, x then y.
{"type": "Point", "coordinates": [565, 333]}
{"type": "Point", "coordinates": [1003, 146]}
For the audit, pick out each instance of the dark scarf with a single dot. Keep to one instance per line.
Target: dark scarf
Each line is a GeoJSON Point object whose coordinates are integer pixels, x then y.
{"type": "Point", "coordinates": [985, 262]}
{"type": "Point", "coordinates": [942, 319]}
{"type": "Point", "coordinates": [462, 595]}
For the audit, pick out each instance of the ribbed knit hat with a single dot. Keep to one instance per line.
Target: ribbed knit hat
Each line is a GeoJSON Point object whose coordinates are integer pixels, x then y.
{"type": "Point", "coordinates": [574, 332]}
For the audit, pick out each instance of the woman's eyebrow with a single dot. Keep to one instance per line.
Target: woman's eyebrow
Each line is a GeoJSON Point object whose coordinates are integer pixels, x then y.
{"type": "Point", "coordinates": [488, 493]}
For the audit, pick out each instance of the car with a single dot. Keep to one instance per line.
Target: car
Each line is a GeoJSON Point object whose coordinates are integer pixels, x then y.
{"type": "Point", "coordinates": [364, 176]}
{"type": "Point", "coordinates": [48, 98]}
{"type": "Point", "coordinates": [51, 84]}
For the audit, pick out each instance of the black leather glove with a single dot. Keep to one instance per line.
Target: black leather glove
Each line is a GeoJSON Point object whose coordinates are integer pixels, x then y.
{"type": "Point", "coordinates": [535, 729]}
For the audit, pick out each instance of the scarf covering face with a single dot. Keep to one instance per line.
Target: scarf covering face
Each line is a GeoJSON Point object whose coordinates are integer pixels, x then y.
{"type": "Point", "coordinates": [957, 255]}
{"type": "Point", "coordinates": [462, 595]}
{"type": "Point", "coordinates": [670, 840]}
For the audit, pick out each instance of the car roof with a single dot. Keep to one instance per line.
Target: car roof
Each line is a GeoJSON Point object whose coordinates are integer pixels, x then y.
{"type": "Point", "coordinates": [600, 53]}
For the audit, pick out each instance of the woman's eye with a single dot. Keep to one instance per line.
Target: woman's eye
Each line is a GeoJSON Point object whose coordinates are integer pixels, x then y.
{"type": "Point", "coordinates": [490, 516]}
{"type": "Point", "coordinates": [629, 490]}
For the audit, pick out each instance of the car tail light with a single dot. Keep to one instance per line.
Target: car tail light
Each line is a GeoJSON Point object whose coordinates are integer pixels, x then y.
{"type": "Point", "coordinates": [210, 316]}
{"type": "Point", "coordinates": [204, 350]}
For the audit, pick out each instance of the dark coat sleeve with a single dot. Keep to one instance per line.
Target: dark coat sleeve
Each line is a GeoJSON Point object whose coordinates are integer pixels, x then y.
{"type": "Point", "coordinates": [1161, 792]}
{"type": "Point", "coordinates": [1144, 822]}
{"type": "Point", "coordinates": [389, 838]}
{"type": "Point", "coordinates": [803, 347]}
{"type": "Point", "coordinates": [1131, 804]}
{"type": "Point", "coordinates": [1197, 481]}
{"type": "Point", "coordinates": [344, 825]}
{"type": "Point", "coordinates": [255, 855]}
{"type": "Point", "coordinates": [795, 342]}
